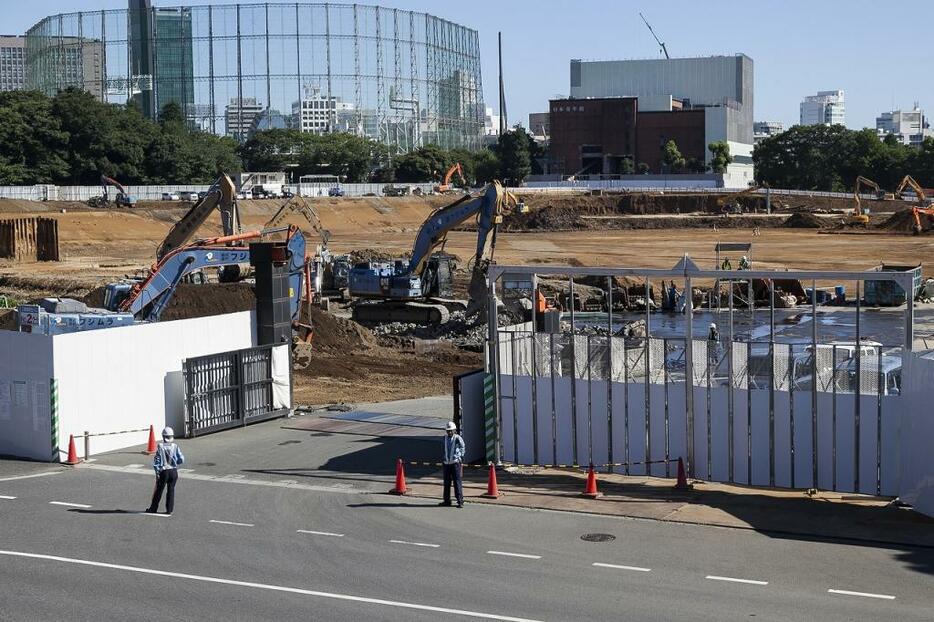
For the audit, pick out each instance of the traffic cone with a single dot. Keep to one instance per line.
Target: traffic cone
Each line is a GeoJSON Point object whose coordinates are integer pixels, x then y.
{"type": "Point", "coordinates": [400, 488]}
{"type": "Point", "coordinates": [72, 452]}
{"type": "Point", "coordinates": [591, 490]}
{"type": "Point", "coordinates": [151, 447]}
{"type": "Point", "coordinates": [492, 491]}
{"type": "Point", "coordinates": [682, 477]}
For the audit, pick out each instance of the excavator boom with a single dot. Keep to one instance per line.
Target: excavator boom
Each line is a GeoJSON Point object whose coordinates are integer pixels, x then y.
{"type": "Point", "coordinates": [221, 197]}
{"type": "Point", "coordinates": [300, 205]}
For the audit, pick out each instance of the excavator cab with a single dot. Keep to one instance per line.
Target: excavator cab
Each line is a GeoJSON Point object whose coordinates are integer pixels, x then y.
{"type": "Point", "coordinates": [115, 293]}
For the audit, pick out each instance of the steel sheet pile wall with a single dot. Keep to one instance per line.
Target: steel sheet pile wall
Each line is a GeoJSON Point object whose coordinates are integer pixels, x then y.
{"type": "Point", "coordinates": [29, 239]}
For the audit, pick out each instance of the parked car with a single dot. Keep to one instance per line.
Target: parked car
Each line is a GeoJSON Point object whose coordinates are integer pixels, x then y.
{"type": "Point", "coordinates": [170, 196]}
{"type": "Point", "coordinates": [336, 191]}
{"type": "Point", "coordinates": [188, 196]}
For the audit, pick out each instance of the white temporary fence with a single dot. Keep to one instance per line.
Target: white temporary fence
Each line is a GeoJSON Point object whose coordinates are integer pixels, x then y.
{"type": "Point", "coordinates": [103, 381]}
{"type": "Point", "coordinates": [83, 193]}
{"type": "Point", "coordinates": [354, 190]}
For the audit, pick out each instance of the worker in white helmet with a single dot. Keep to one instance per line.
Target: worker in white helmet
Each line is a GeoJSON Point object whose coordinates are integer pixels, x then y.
{"type": "Point", "coordinates": [714, 333]}
{"type": "Point", "coordinates": [166, 461]}
{"type": "Point", "coordinates": [454, 448]}
{"type": "Point", "coordinates": [744, 263]}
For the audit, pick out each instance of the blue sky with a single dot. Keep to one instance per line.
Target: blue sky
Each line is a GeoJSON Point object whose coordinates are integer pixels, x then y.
{"type": "Point", "coordinates": [876, 52]}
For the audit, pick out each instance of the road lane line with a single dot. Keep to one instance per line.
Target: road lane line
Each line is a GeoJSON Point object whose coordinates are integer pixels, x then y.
{"type": "Point", "coordinates": [70, 505]}
{"type": "Point", "coordinates": [227, 522]}
{"type": "Point", "coordinates": [735, 580]}
{"type": "Point", "coordinates": [431, 546]}
{"type": "Point", "coordinates": [618, 567]}
{"type": "Point", "coordinates": [43, 474]}
{"type": "Point", "coordinates": [6, 497]}
{"type": "Point", "coordinates": [321, 533]}
{"type": "Point", "coordinates": [864, 594]}
{"type": "Point", "coordinates": [506, 554]}
{"type": "Point", "coordinates": [271, 587]}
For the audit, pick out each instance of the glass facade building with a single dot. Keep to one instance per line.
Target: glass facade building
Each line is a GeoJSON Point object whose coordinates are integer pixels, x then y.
{"type": "Point", "coordinates": [403, 78]}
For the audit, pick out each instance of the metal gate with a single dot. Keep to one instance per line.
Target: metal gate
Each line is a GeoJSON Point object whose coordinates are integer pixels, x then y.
{"type": "Point", "coordinates": [228, 390]}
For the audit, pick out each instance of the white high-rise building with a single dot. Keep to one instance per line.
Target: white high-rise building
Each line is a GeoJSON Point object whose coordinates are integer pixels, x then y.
{"type": "Point", "coordinates": [825, 108]}
{"type": "Point", "coordinates": [764, 129]}
{"type": "Point", "coordinates": [12, 63]}
{"type": "Point", "coordinates": [320, 114]}
{"type": "Point", "coordinates": [909, 126]}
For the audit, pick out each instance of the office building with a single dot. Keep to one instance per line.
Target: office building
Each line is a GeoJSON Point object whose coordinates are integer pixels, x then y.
{"type": "Point", "coordinates": [825, 108]}
{"type": "Point", "coordinates": [720, 87]}
{"type": "Point", "coordinates": [12, 63]}
{"type": "Point", "coordinates": [910, 127]}
{"type": "Point", "coordinates": [540, 125]}
{"type": "Point", "coordinates": [317, 113]}
{"type": "Point", "coordinates": [239, 115]}
{"type": "Point", "coordinates": [765, 129]}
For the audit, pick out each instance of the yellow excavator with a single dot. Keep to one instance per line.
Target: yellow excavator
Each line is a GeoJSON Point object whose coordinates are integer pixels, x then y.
{"type": "Point", "coordinates": [860, 217]}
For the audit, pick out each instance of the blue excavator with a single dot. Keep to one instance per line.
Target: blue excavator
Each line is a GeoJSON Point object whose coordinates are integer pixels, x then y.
{"type": "Point", "coordinates": [415, 291]}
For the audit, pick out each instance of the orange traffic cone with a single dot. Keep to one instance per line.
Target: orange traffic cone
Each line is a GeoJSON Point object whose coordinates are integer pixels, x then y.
{"type": "Point", "coordinates": [591, 490]}
{"type": "Point", "coordinates": [72, 452]}
{"type": "Point", "coordinates": [400, 488]}
{"type": "Point", "coordinates": [492, 491]}
{"type": "Point", "coordinates": [151, 447]}
{"type": "Point", "coordinates": [682, 478]}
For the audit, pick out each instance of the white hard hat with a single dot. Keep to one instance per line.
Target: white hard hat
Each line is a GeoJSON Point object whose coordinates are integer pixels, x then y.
{"type": "Point", "coordinates": [168, 433]}
{"type": "Point", "coordinates": [713, 325]}
{"type": "Point", "coordinates": [450, 426]}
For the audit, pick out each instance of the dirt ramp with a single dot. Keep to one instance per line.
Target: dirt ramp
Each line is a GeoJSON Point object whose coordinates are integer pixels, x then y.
{"type": "Point", "coordinates": [336, 334]}
{"type": "Point", "coordinates": [804, 220]}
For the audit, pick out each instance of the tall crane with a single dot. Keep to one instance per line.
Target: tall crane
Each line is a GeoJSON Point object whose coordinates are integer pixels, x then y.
{"type": "Point", "coordinates": [657, 40]}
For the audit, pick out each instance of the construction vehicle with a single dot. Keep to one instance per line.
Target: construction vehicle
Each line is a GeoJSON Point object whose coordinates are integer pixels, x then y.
{"type": "Point", "coordinates": [145, 299]}
{"type": "Point", "coordinates": [859, 215]}
{"type": "Point", "coordinates": [122, 199]}
{"type": "Point", "coordinates": [220, 196]}
{"type": "Point", "coordinates": [412, 291]}
{"type": "Point", "coordinates": [391, 190]}
{"type": "Point", "coordinates": [923, 205]}
{"type": "Point", "coordinates": [445, 186]}
{"type": "Point", "coordinates": [735, 207]}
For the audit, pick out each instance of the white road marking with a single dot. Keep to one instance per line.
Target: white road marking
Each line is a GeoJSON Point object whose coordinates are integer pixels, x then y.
{"type": "Point", "coordinates": [735, 580]}
{"type": "Point", "coordinates": [865, 594]}
{"type": "Point", "coordinates": [70, 505]}
{"type": "Point", "coordinates": [155, 514]}
{"type": "Point", "coordinates": [320, 533]}
{"type": "Point", "coordinates": [266, 586]}
{"type": "Point", "coordinates": [523, 555]}
{"type": "Point", "coordinates": [618, 567]}
{"type": "Point", "coordinates": [6, 497]}
{"type": "Point", "coordinates": [43, 474]}
{"type": "Point", "coordinates": [431, 546]}
{"type": "Point", "coordinates": [227, 522]}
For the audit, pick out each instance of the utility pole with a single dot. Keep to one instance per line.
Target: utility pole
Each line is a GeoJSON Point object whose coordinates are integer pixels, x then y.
{"type": "Point", "coordinates": [502, 88]}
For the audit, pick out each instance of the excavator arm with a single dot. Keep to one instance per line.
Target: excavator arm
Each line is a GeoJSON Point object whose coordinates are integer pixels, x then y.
{"type": "Point", "coordinates": [488, 209]}
{"type": "Point", "coordinates": [220, 196]}
{"type": "Point", "coordinates": [300, 205]}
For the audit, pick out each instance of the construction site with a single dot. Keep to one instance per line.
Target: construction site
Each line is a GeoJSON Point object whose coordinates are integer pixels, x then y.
{"type": "Point", "coordinates": [404, 359]}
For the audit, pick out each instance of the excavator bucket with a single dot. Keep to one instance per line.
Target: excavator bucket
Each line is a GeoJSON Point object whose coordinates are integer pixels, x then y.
{"type": "Point", "coordinates": [477, 290]}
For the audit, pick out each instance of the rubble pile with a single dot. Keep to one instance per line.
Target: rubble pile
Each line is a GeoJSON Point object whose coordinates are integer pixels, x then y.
{"type": "Point", "coordinates": [461, 331]}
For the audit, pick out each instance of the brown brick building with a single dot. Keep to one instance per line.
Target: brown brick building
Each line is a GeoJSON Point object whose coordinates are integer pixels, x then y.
{"type": "Point", "coordinates": [594, 136]}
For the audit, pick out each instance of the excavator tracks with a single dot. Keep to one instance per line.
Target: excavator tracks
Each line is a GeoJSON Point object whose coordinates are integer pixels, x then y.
{"type": "Point", "coordinates": [405, 312]}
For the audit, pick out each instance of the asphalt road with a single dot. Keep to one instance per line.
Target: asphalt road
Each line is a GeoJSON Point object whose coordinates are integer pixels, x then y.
{"type": "Point", "coordinates": [265, 552]}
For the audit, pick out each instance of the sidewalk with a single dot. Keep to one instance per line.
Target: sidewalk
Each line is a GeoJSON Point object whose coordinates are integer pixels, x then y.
{"type": "Point", "coordinates": [357, 451]}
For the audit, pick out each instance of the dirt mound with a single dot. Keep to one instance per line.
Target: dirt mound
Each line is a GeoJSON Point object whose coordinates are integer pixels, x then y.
{"type": "Point", "coordinates": [8, 319]}
{"type": "Point", "coordinates": [804, 220]}
{"type": "Point", "coordinates": [904, 222]}
{"type": "Point", "coordinates": [192, 301]}
{"type": "Point", "coordinates": [336, 334]}
{"type": "Point", "coordinates": [370, 254]}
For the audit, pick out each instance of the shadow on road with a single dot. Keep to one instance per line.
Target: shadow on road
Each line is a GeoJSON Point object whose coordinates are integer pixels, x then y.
{"type": "Point", "coordinates": [85, 511]}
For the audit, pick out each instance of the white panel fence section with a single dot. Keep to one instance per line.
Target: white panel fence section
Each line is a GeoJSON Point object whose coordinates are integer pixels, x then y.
{"type": "Point", "coordinates": [104, 382]}
{"type": "Point", "coordinates": [615, 410]}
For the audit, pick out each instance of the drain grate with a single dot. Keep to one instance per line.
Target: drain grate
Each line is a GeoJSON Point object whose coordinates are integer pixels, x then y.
{"type": "Point", "coordinates": [598, 537]}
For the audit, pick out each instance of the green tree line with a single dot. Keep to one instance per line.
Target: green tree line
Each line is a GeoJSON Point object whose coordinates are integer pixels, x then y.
{"type": "Point", "coordinates": [830, 158]}
{"type": "Point", "coordinates": [73, 139]}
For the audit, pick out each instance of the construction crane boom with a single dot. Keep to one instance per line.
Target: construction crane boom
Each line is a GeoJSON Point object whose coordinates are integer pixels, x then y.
{"type": "Point", "coordinates": [298, 204]}
{"type": "Point", "coordinates": [221, 196]}
{"type": "Point", "coordinates": [657, 40]}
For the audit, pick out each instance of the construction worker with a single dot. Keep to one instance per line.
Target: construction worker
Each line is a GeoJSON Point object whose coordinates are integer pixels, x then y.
{"type": "Point", "coordinates": [726, 265]}
{"type": "Point", "coordinates": [454, 448]}
{"type": "Point", "coordinates": [714, 333]}
{"type": "Point", "coordinates": [744, 263]}
{"type": "Point", "coordinates": [165, 463]}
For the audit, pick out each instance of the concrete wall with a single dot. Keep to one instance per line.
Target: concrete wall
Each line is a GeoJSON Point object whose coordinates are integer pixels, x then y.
{"type": "Point", "coordinates": [916, 484]}
{"type": "Point", "coordinates": [25, 378]}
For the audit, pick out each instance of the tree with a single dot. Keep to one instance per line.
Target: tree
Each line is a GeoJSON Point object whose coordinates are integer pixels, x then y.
{"type": "Point", "coordinates": [626, 166]}
{"type": "Point", "coordinates": [272, 150]}
{"type": "Point", "coordinates": [33, 146]}
{"type": "Point", "coordinates": [485, 166]}
{"type": "Point", "coordinates": [695, 165]}
{"type": "Point", "coordinates": [643, 168]}
{"type": "Point", "coordinates": [426, 163]}
{"type": "Point", "coordinates": [720, 156]}
{"type": "Point", "coordinates": [514, 152]}
{"type": "Point", "coordinates": [672, 158]}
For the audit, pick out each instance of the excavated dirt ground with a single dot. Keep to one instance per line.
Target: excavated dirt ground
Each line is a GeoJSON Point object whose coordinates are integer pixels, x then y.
{"type": "Point", "coordinates": [654, 231]}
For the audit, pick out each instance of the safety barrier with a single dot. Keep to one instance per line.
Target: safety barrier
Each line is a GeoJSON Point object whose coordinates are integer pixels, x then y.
{"type": "Point", "coordinates": [88, 435]}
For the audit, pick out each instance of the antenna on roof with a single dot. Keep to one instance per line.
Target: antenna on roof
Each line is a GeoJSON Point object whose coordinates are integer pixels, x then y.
{"type": "Point", "coordinates": [661, 45]}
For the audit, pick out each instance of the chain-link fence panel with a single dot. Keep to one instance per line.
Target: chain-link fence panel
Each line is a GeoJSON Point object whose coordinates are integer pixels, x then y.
{"type": "Point", "coordinates": [544, 355]}
{"type": "Point", "coordinates": [740, 362]}
{"type": "Point", "coordinates": [781, 370]}
{"type": "Point", "coordinates": [826, 360]}
{"type": "Point", "coordinates": [657, 361]}
{"type": "Point", "coordinates": [700, 363]}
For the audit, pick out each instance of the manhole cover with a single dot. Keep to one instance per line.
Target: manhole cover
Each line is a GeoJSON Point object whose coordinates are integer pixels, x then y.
{"type": "Point", "coordinates": [598, 537]}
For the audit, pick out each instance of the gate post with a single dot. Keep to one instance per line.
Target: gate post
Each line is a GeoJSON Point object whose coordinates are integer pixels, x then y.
{"type": "Point", "coordinates": [689, 374]}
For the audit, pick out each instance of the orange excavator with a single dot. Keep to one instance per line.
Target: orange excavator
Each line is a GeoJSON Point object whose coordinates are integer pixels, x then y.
{"type": "Point", "coordinates": [446, 186]}
{"type": "Point", "coordinates": [923, 206]}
